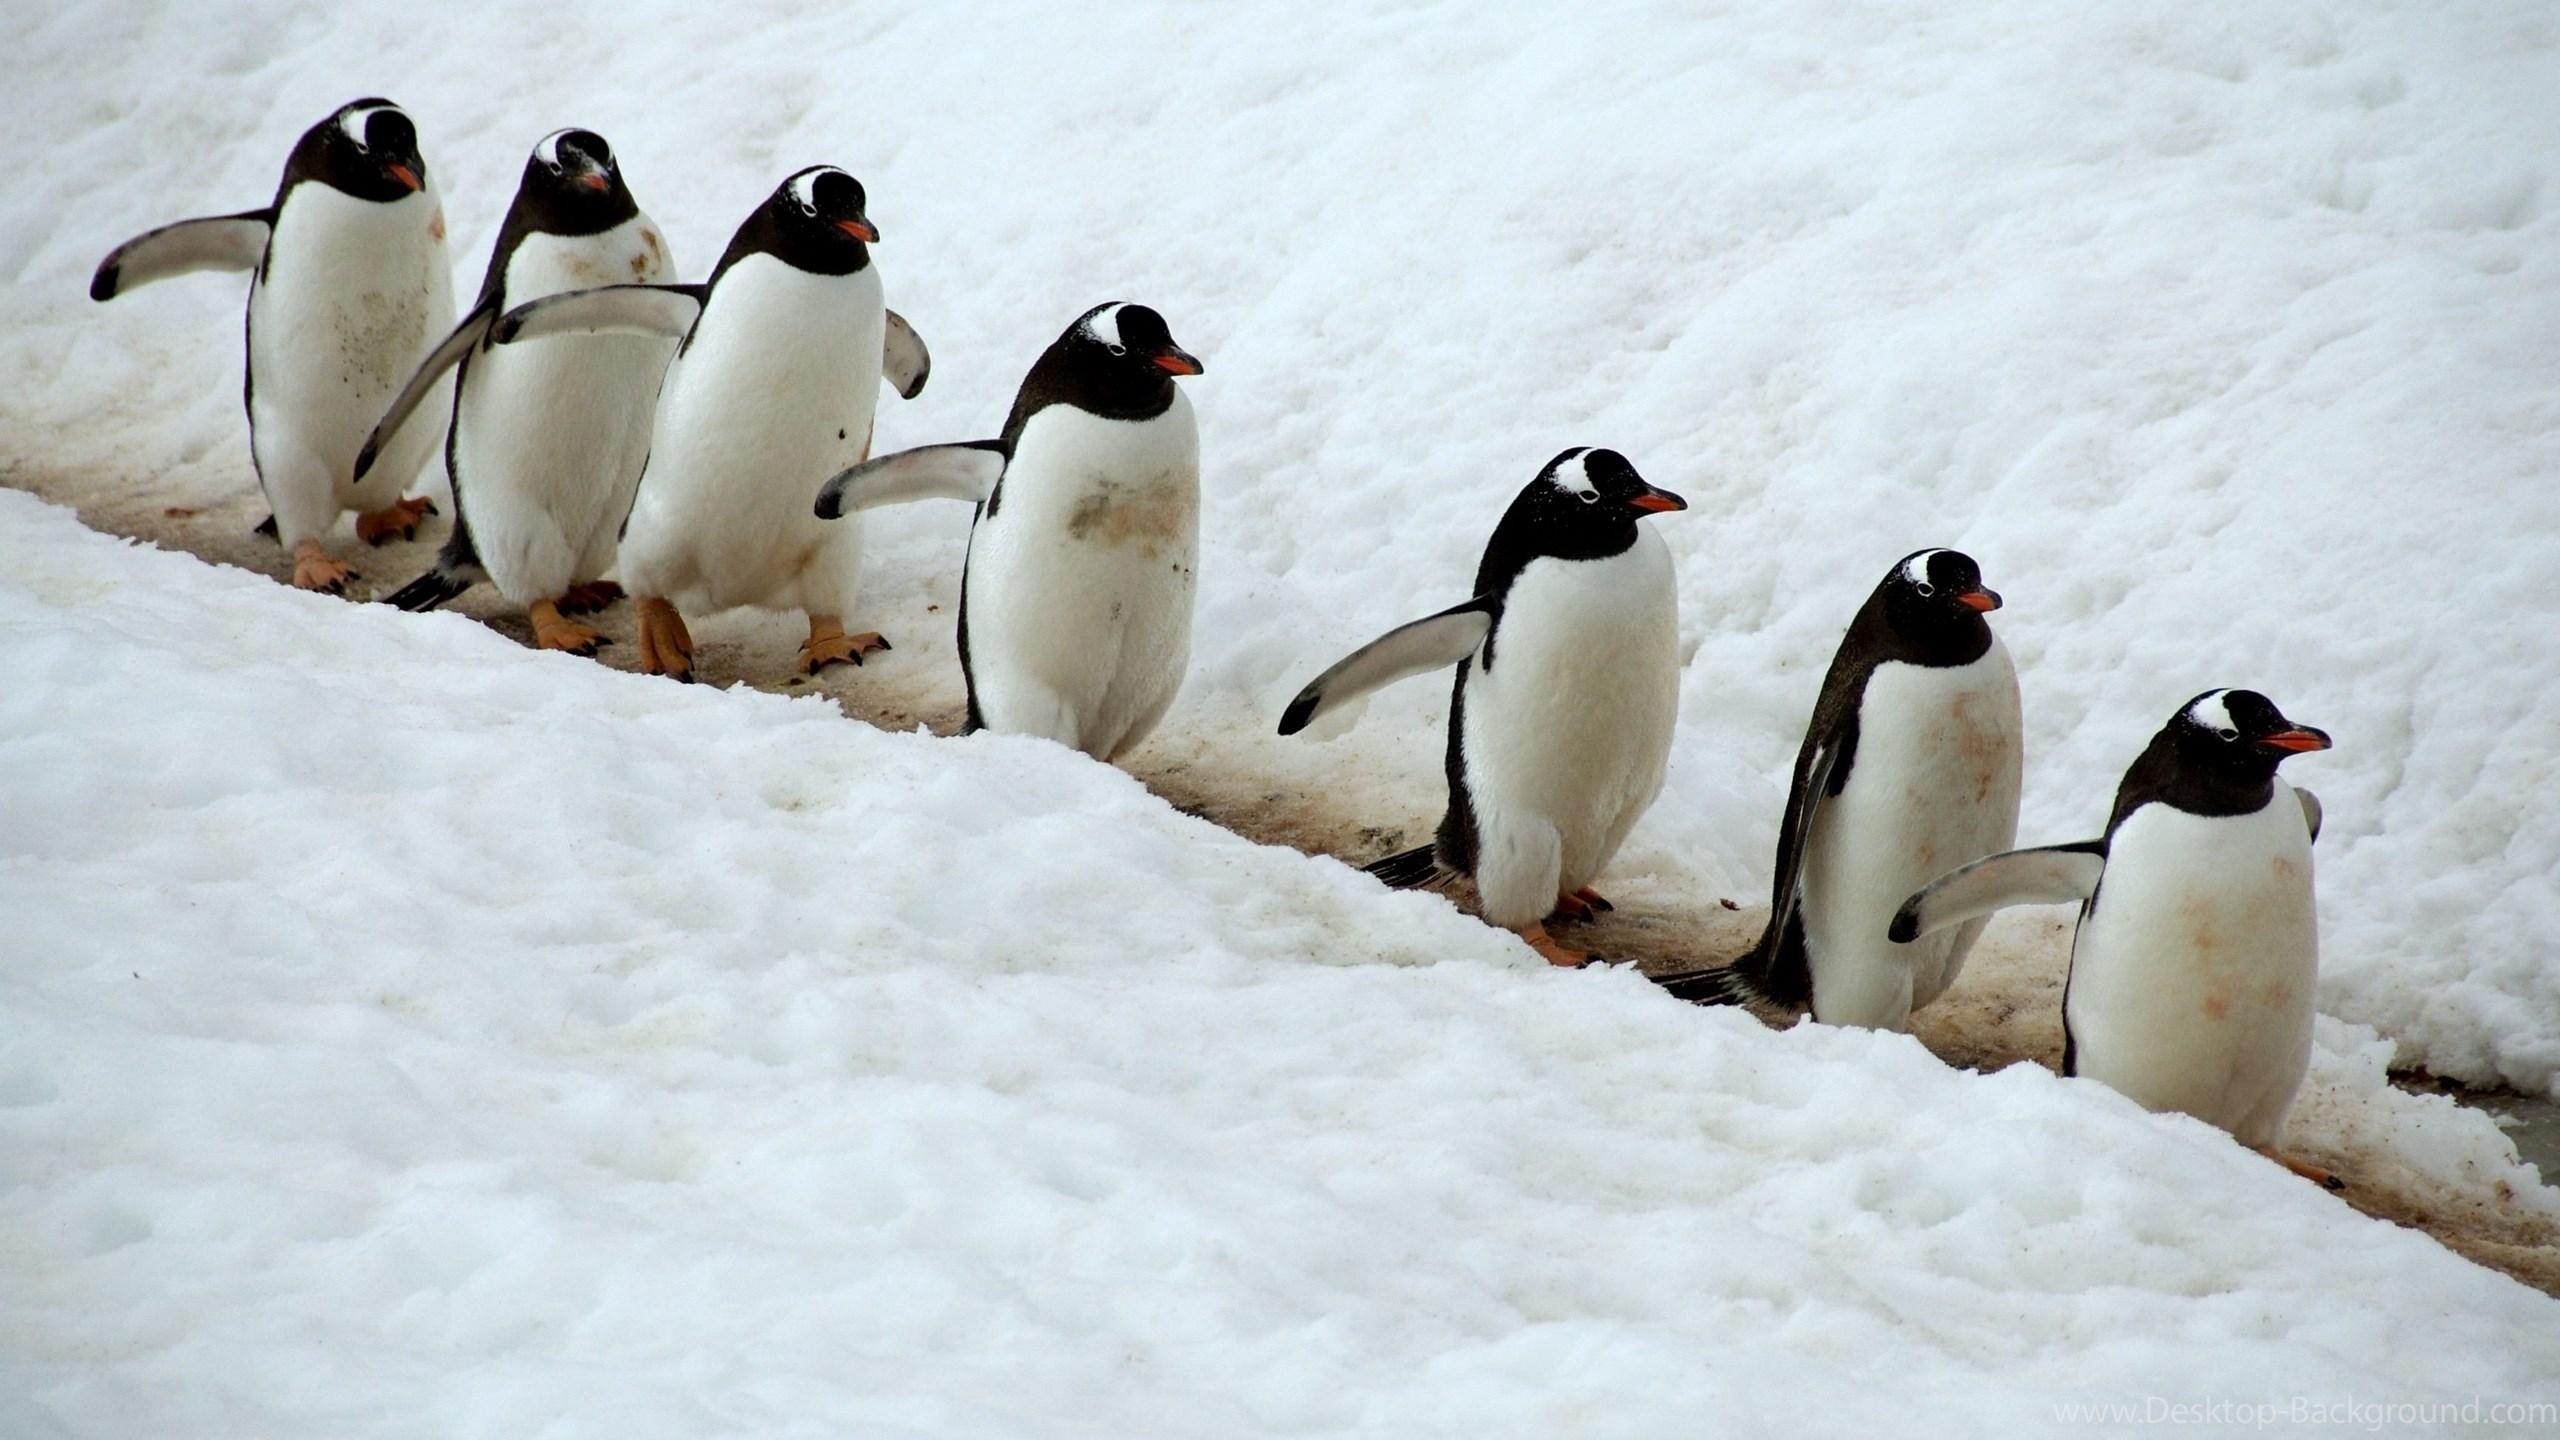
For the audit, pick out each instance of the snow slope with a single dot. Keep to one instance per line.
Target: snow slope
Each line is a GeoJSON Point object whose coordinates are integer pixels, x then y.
{"type": "Point", "coordinates": [408, 1034]}
{"type": "Point", "coordinates": [2225, 339]}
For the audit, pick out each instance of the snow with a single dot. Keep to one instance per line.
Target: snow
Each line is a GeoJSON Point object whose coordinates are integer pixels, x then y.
{"type": "Point", "coordinates": [638, 1060]}
{"type": "Point", "coordinates": [413, 1035]}
{"type": "Point", "coordinates": [2224, 342]}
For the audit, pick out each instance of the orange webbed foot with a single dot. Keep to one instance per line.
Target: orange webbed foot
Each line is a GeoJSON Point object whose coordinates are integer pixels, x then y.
{"type": "Point", "coordinates": [829, 645]}
{"type": "Point", "coordinates": [666, 648]}
{"type": "Point", "coordinates": [552, 631]}
{"type": "Point", "coordinates": [1577, 906]}
{"type": "Point", "coordinates": [2326, 1180]}
{"type": "Point", "coordinates": [399, 520]}
{"type": "Point", "coordinates": [1554, 954]}
{"type": "Point", "coordinates": [316, 569]}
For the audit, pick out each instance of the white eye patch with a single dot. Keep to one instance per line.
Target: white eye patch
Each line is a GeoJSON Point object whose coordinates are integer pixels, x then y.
{"type": "Point", "coordinates": [1916, 569]}
{"type": "Point", "coordinates": [354, 121]}
{"type": "Point", "coordinates": [2213, 712]}
{"type": "Point", "coordinates": [1572, 475]}
{"type": "Point", "coordinates": [804, 186]}
{"type": "Point", "coordinates": [548, 152]}
{"type": "Point", "coordinates": [1104, 325]}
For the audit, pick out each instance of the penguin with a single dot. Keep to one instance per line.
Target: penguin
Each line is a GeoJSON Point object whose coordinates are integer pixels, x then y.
{"type": "Point", "coordinates": [2193, 966]}
{"type": "Point", "coordinates": [1076, 597]}
{"type": "Point", "coordinates": [546, 441]}
{"type": "Point", "coordinates": [1568, 683]}
{"type": "Point", "coordinates": [1910, 764]}
{"type": "Point", "coordinates": [772, 390]}
{"type": "Point", "coordinates": [349, 286]}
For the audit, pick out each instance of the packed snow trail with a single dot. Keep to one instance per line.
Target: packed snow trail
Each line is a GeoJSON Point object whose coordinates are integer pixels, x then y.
{"type": "Point", "coordinates": [409, 1034]}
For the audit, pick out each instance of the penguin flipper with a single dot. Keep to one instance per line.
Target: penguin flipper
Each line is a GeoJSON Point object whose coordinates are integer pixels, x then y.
{"type": "Point", "coordinates": [2056, 875]}
{"type": "Point", "coordinates": [217, 242]}
{"type": "Point", "coordinates": [666, 311]}
{"type": "Point", "coordinates": [2310, 810]}
{"type": "Point", "coordinates": [466, 337]}
{"type": "Point", "coordinates": [904, 362]}
{"type": "Point", "coordinates": [457, 569]}
{"type": "Point", "coordinates": [1721, 985]}
{"type": "Point", "coordinates": [1416, 869]}
{"type": "Point", "coordinates": [1434, 642]}
{"type": "Point", "coordinates": [966, 471]}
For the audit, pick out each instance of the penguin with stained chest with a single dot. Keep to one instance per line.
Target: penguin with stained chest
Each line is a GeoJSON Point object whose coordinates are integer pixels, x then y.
{"type": "Point", "coordinates": [772, 389]}
{"type": "Point", "coordinates": [2198, 947]}
{"type": "Point", "coordinates": [546, 441]}
{"type": "Point", "coordinates": [1076, 598]}
{"type": "Point", "coordinates": [350, 285]}
{"type": "Point", "coordinates": [1568, 684]}
{"type": "Point", "coordinates": [1910, 766]}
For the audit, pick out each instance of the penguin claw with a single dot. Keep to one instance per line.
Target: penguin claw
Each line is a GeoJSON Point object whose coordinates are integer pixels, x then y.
{"type": "Point", "coordinates": [1578, 905]}
{"type": "Point", "coordinates": [552, 632]}
{"type": "Point", "coordinates": [828, 644]}
{"type": "Point", "coordinates": [1537, 938]}
{"type": "Point", "coordinates": [2325, 1179]}
{"type": "Point", "coordinates": [398, 520]}
{"type": "Point", "coordinates": [316, 570]}
{"type": "Point", "coordinates": [665, 646]}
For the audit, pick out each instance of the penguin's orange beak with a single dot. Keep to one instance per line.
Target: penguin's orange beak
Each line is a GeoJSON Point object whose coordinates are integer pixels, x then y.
{"type": "Point", "coordinates": [1655, 500]}
{"type": "Point", "coordinates": [404, 175]}
{"type": "Point", "coordinates": [1178, 362]}
{"type": "Point", "coordinates": [2294, 742]}
{"type": "Point", "coordinates": [596, 180]}
{"type": "Point", "coordinates": [1985, 601]}
{"type": "Point", "coordinates": [860, 229]}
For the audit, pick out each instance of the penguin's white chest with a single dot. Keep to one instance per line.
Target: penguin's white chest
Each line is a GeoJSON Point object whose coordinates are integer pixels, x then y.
{"type": "Point", "coordinates": [773, 393]}
{"type": "Point", "coordinates": [352, 295]}
{"type": "Point", "coordinates": [550, 436]}
{"type": "Point", "coordinates": [1566, 733]}
{"type": "Point", "coordinates": [1080, 585]}
{"type": "Point", "coordinates": [2192, 975]}
{"type": "Point", "coordinates": [1933, 784]}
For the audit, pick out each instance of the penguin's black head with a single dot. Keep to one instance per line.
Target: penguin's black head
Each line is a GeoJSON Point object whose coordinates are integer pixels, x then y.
{"type": "Point", "coordinates": [2238, 733]}
{"type": "Point", "coordinates": [1117, 360]}
{"type": "Point", "coordinates": [1584, 505]}
{"type": "Point", "coordinates": [2216, 756]}
{"type": "Point", "coordinates": [573, 186]}
{"type": "Point", "coordinates": [813, 221]}
{"type": "Point", "coordinates": [1935, 599]}
{"type": "Point", "coordinates": [368, 149]}
{"type": "Point", "coordinates": [1132, 338]}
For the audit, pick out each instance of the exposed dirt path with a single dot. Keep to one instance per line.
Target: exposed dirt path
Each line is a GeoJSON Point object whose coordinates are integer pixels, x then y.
{"type": "Point", "coordinates": [2007, 1009]}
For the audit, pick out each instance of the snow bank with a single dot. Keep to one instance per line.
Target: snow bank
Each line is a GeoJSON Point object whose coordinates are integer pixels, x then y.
{"type": "Point", "coordinates": [2225, 341]}
{"type": "Point", "coordinates": [409, 1034]}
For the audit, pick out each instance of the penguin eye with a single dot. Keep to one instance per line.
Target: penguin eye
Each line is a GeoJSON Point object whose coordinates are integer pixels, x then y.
{"type": "Point", "coordinates": [2227, 733]}
{"type": "Point", "coordinates": [1117, 349]}
{"type": "Point", "coordinates": [1589, 497]}
{"type": "Point", "coordinates": [1924, 589]}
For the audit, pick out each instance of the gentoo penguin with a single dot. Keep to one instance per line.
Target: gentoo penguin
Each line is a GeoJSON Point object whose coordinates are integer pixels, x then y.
{"type": "Point", "coordinates": [2192, 971]}
{"type": "Point", "coordinates": [1568, 682]}
{"type": "Point", "coordinates": [350, 285]}
{"type": "Point", "coordinates": [1075, 601]}
{"type": "Point", "coordinates": [1910, 765]}
{"type": "Point", "coordinates": [771, 391]}
{"type": "Point", "coordinates": [547, 440]}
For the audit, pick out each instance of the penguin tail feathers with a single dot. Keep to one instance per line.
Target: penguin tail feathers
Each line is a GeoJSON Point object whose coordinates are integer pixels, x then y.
{"type": "Point", "coordinates": [430, 591]}
{"type": "Point", "coordinates": [1413, 869]}
{"type": "Point", "coordinates": [1723, 985]}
